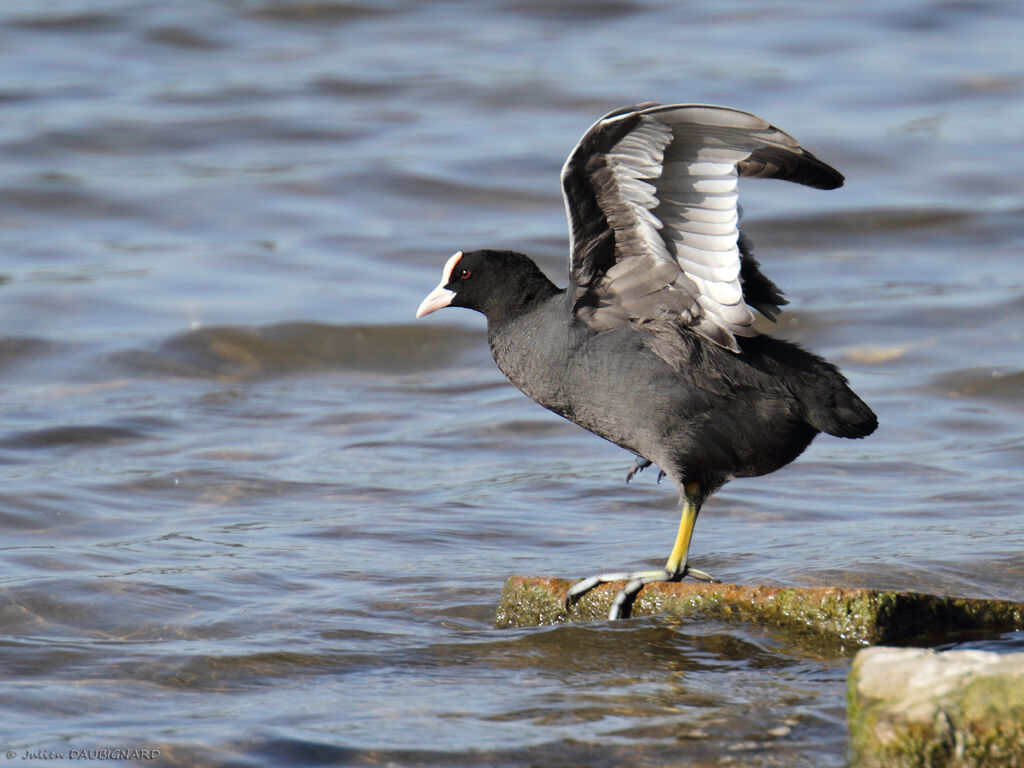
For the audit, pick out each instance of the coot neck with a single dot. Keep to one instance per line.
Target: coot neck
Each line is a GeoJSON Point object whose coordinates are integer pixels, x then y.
{"type": "Point", "coordinates": [527, 298]}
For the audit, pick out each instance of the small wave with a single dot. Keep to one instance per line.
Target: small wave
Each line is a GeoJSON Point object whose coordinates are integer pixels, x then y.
{"type": "Point", "coordinates": [68, 21]}
{"type": "Point", "coordinates": [81, 435]}
{"type": "Point", "coordinates": [15, 350]}
{"type": "Point", "coordinates": [317, 11]}
{"type": "Point", "coordinates": [984, 383]}
{"type": "Point", "coordinates": [246, 353]}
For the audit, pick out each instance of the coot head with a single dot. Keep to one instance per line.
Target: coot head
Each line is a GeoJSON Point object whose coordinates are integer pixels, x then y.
{"type": "Point", "coordinates": [497, 283]}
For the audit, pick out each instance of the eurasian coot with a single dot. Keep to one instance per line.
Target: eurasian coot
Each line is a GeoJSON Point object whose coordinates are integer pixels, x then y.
{"type": "Point", "coordinates": [652, 344]}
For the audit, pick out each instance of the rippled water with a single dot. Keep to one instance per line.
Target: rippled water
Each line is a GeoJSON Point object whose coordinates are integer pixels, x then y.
{"type": "Point", "coordinates": [253, 515]}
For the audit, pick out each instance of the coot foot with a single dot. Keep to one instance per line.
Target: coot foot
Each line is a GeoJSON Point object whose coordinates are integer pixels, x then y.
{"type": "Point", "coordinates": [635, 581]}
{"type": "Point", "coordinates": [676, 569]}
{"type": "Point", "coordinates": [640, 464]}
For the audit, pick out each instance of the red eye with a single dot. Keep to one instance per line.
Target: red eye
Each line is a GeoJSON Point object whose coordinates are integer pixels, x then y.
{"type": "Point", "coordinates": [464, 273]}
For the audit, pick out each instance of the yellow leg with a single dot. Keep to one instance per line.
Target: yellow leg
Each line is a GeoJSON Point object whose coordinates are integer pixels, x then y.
{"type": "Point", "coordinates": [677, 560]}
{"type": "Point", "coordinates": [675, 569]}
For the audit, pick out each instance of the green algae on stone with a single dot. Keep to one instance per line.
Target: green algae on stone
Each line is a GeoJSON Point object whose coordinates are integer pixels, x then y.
{"type": "Point", "coordinates": [919, 708]}
{"type": "Point", "coordinates": [526, 602]}
{"type": "Point", "coordinates": [854, 616]}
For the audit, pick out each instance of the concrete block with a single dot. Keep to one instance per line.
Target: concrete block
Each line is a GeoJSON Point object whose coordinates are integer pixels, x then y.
{"type": "Point", "coordinates": [918, 708]}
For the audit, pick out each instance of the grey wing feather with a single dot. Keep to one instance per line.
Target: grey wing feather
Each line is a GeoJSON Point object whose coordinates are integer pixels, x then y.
{"type": "Point", "coordinates": [651, 194]}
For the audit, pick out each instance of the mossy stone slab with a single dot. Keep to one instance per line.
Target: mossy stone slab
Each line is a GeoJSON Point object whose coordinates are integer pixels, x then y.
{"type": "Point", "coordinates": [848, 616]}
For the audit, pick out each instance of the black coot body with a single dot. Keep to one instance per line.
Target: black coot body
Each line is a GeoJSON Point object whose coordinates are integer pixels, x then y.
{"type": "Point", "coordinates": [651, 345]}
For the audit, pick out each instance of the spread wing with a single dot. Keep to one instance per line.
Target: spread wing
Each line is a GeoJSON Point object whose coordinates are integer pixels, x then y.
{"type": "Point", "coordinates": [650, 192]}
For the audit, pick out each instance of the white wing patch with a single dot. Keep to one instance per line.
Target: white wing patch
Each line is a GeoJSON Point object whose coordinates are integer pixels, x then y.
{"type": "Point", "coordinates": [683, 211]}
{"type": "Point", "coordinates": [651, 195]}
{"type": "Point", "coordinates": [638, 156]}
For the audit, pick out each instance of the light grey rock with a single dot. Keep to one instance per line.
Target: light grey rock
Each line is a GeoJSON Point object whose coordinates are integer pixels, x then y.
{"type": "Point", "coordinates": [913, 707]}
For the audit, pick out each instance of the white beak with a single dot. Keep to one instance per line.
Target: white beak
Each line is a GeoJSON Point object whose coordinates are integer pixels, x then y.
{"type": "Point", "coordinates": [440, 296]}
{"type": "Point", "coordinates": [437, 298]}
